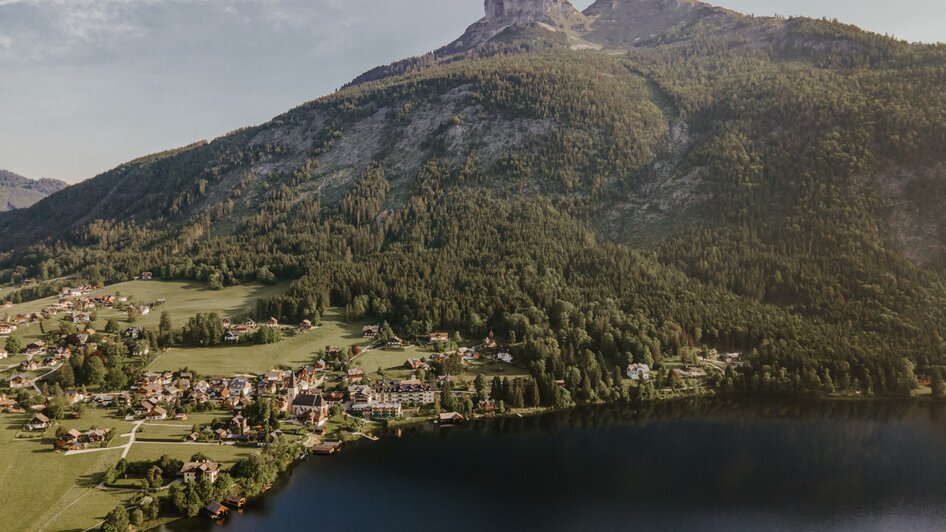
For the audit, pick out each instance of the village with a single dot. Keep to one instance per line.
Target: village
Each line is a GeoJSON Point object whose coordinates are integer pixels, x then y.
{"type": "Point", "coordinates": [334, 394]}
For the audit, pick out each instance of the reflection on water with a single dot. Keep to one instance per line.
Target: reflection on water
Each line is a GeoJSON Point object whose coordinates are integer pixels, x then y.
{"type": "Point", "coordinates": [710, 464]}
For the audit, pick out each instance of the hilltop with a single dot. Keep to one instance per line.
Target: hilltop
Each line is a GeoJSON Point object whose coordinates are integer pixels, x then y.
{"type": "Point", "coordinates": [598, 188]}
{"type": "Point", "coordinates": [18, 192]}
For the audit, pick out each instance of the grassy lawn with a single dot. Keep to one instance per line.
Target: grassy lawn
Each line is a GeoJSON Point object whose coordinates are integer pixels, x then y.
{"type": "Point", "coordinates": [294, 350]}
{"type": "Point", "coordinates": [40, 485]}
{"type": "Point", "coordinates": [391, 361]}
{"type": "Point", "coordinates": [148, 432]}
{"type": "Point", "coordinates": [194, 418]}
{"type": "Point", "coordinates": [100, 418]}
{"type": "Point", "coordinates": [49, 490]}
{"type": "Point", "coordinates": [184, 299]}
{"type": "Point", "coordinates": [227, 455]}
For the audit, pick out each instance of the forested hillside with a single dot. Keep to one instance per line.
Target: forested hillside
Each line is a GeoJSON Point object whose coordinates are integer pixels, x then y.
{"type": "Point", "coordinates": [765, 185]}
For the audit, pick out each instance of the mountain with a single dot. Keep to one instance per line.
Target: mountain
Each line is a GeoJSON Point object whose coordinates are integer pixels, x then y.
{"type": "Point", "coordinates": [18, 192]}
{"type": "Point", "coordinates": [596, 188]}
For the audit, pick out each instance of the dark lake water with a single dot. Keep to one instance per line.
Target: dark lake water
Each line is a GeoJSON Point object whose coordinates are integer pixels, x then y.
{"type": "Point", "coordinates": [708, 465]}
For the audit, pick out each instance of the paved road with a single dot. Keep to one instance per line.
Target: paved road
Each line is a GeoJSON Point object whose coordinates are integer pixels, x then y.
{"type": "Point", "coordinates": [43, 377]}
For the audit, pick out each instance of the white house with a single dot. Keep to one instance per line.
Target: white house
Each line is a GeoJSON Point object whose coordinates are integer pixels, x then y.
{"type": "Point", "coordinates": [20, 381]}
{"type": "Point", "coordinates": [192, 471]}
{"type": "Point", "coordinates": [638, 372]}
{"type": "Point", "coordinates": [505, 357]}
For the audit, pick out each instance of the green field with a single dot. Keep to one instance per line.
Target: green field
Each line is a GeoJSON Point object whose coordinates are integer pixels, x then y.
{"type": "Point", "coordinates": [184, 299]}
{"type": "Point", "coordinates": [42, 487]}
{"type": "Point", "coordinates": [227, 455]}
{"type": "Point", "coordinates": [169, 433]}
{"type": "Point", "coordinates": [49, 490]}
{"type": "Point", "coordinates": [295, 350]}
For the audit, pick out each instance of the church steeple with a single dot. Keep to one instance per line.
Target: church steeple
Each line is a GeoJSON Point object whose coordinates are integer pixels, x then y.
{"type": "Point", "coordinates": [293, 389]}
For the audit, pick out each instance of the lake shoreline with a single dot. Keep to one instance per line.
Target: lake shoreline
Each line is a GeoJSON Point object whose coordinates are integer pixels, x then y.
{"type": "Point", "coordinates": [690, 407]}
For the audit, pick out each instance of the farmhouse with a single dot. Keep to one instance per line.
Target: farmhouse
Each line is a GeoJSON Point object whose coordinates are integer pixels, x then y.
{"type": "Point", "coordinates": [370, 331]}
{"type": "Point", "coordinates": [36, 348]}
{"type": "Point", "coordinates": [192, 471]}
{"type": "Point", "coordinates": [416, 363]}
{"type": "Point", "coordinates": [395, 342]}
{"type": "Point", "coordinates": [439, 337]}
{"type": "Point", "coordinates": [30, 365]}
{"type": "Point", "coordinates": [20, 381]}
{"type": "Point", "coordinates": [37, 422]}
{"type": "Point", "coordinates": [156, 414]}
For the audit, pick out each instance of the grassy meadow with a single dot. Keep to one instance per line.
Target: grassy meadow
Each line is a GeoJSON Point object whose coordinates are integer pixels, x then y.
{"type": "Point", "coordinates": [296, 349]}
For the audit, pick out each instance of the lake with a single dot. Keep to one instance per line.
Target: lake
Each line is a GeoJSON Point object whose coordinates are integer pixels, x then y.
{"type": "Point", "coordinates": [717, 464]}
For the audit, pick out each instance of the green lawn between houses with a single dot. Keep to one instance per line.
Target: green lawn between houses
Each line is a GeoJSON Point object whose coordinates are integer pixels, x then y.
{"type": "Point", "coordinates": [41, 487]}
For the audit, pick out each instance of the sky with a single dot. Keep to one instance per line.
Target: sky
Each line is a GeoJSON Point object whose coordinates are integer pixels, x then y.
{"type": "Point", "coordinates": [86, 85]}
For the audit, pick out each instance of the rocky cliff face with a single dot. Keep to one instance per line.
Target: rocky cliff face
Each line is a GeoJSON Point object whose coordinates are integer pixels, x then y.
{"type": "Point", "coordinates": [557, 15]}
{"type": "Point", "coordinates": [526, 11]}
{"type": "Point", "coordinates": [626, 23]}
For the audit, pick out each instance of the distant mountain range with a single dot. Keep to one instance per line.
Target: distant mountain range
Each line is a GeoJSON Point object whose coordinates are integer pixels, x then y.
{"type": "Point", "coordinates": [18, 192]}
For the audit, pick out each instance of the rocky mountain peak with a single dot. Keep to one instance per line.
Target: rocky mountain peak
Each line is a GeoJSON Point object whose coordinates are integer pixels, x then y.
{"type": "Point", "coordinates": [555, 15]}
{"type": "Point", "coordinates": [526, 11]}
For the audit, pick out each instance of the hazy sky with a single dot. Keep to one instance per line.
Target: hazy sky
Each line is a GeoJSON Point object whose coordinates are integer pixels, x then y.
{"type": "Point", "coordinates": [88, 84]}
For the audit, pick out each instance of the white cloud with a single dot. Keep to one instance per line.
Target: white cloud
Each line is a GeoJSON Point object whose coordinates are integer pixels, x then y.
{"type": "Point", "coordinates": [6, 42]}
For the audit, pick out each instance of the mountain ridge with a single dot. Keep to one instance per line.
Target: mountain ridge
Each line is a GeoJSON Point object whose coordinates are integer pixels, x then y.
{"type": "Point", "coordinates": [18, 192]}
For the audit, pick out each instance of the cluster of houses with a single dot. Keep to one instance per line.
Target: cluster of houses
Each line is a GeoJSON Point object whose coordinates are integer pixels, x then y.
{"type": "Point", "coordinates": [233, 332]}
{"type": "Point", "coordinates": [79, 306]}
{"type": "Point", "coordinates": [41, 355]}
{"type": "Point", "coordinates": [74, 440]}
{"type": "Point", "coordinates": [10, 324]}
